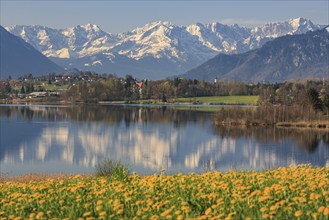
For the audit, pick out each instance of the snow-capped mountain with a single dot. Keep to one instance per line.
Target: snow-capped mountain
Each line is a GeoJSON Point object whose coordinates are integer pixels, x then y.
{"type": "Point", "coordinates": [79, 41]}
{"type": "Point", "coordinates": [288, 57]}
{"type": "Point", "coordinates": [157, 50]}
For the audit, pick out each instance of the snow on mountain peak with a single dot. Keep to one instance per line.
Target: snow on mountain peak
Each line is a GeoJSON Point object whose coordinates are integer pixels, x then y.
{"type": "Point", "coordinates": [157, 40]}
{"type": "Point", "coordinates": [300, 23]}
{"type": "Point", "coordinates": [152, 26]}
{"type": "Point", "coordinates": [90, 27]}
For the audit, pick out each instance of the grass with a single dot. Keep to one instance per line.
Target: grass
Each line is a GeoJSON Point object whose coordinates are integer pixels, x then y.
{"type": "Point", "coordinates": [225, 100]}
{"type": "Point", "coordinates": [46, 87]}
{"type": "Point", "coordinates": [54, 87]}
{"type": "Point", "coordinates": [114, 169]}
{"type": "Point", "coordinates": [228, 100]}
{"type": "Point", "coordinates": [285, 193]}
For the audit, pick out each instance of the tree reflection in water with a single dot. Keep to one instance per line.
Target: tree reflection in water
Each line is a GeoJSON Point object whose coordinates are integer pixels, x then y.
{"type": "Point", "coordinates": [308, 139]}
{"type": "Point", "coordinates": [161, 136]}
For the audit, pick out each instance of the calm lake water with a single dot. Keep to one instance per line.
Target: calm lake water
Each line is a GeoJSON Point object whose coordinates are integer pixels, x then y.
{"type": "Point", "coordinates": [59, 139]}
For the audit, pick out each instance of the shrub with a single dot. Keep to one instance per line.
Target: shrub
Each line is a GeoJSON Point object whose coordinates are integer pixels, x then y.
{"type": "Point", "coordinates": [111, 168]}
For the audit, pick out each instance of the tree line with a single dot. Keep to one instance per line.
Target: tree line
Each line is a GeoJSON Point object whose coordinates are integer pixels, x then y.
{"type": "Point", "coordinates": [131, 89]}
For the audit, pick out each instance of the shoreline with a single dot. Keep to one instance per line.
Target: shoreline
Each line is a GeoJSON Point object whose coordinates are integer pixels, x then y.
{"type": "Point", "coordinates": [27, 177]}
{"type": "Point", "coordinates": [60, 102]}
{"type": "Point", "coordinates": [321, 125]}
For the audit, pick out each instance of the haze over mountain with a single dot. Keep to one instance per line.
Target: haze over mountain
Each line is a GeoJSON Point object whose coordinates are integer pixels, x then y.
{"type": "Point", "coordinates": [157, 50]}
{"type": "Point", "coordinates": [288, 57]}
{"type": "Point", "coordinates": [18, 58]}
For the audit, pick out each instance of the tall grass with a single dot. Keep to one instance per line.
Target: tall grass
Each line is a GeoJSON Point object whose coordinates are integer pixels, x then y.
{"type": "Point", "coordinates": [111, 168]}
{"type": "Point", "coordinates": [267, 115]}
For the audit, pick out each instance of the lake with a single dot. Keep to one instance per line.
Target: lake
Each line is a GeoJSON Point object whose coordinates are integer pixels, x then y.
{"type": "Point", "coordinates": [73, 139]}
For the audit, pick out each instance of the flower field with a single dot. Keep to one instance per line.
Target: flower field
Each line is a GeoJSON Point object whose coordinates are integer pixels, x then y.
{"type": "Point", "coordinates": [285, 193]}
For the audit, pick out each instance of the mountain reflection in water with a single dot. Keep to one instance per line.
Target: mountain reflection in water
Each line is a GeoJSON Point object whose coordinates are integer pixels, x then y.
{"type": "Point", "coordinates": [75, 139]}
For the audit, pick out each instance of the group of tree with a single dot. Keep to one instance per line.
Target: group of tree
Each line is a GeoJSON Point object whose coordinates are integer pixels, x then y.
{"type": "Point", "coordinates": [305, 95]}
{"type": "Point", "coordinates": [129, 88]}
{"type": "Point", "coordinates": [5, 89]}
{"type": "Point", "coordinates": [92, 87]}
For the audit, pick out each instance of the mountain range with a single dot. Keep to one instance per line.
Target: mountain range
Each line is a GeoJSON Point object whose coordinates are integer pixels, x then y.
{"type": "Point", "coordinates": [284, 58]}
{"type": "Point", "coordinates": [156, 50]}
{"type": "Point", "coordinates": [18, 58]}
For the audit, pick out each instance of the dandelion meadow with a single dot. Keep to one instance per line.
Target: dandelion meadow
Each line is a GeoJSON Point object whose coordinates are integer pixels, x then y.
{"type": "Point", "coordinates": [285, 193]}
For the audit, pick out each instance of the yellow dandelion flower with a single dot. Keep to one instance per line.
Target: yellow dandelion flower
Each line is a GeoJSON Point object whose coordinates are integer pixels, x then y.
{"type": "Point", "coordinates": [326, 211]}
{"type": "Point", "coordinates": [298, 213]}
{"type": "Point", "coordinates": [139, 212]}
{"type": "Point", "coordinates": [266, 216]}
{"type": "Point", "coordinates": [154, 217]}
{"type": "Point", "coordinates": [184, 203]}
{"type": "Point", "coordinates": [321, 209]}
{"type": "Point", "coordinates": [99, 208]}
{"type": "Point", "coordinates": [165, 213]}
{"type": "Point", "coordinates": [263, 209]}
{"type": "Point", "coordinates": [102, 213]}
{"type": "Point", "coordinates": [178, 212]}
{"type": "Point", "coordinates": [180, 217]}
{"type": "Point", "coordinates": [86, 214]}
{"type": "Point", "coordinates": [208, 211]}
{"type": "Point", "coordinates": [40, 215]}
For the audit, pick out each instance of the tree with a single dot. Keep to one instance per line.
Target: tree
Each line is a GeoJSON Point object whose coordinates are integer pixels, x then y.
{"type": "Point", "coordinates": [313, 97]}
{"type": "Point", "coordinates": [164, 98]}
{"type": "Point", "coordinates": [8, 88]}
{"type": "Point", "coordinates": [326, 103]}
{"type": "Point", "coordinates": [23, 89]}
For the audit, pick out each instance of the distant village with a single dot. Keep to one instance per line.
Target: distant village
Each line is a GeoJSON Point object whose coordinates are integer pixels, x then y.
{"type": "Point", "coordinates": [29, 86]}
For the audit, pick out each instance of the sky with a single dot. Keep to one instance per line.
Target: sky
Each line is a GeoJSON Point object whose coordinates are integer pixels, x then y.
{"type": "Point", "coordinates": [122, 16]}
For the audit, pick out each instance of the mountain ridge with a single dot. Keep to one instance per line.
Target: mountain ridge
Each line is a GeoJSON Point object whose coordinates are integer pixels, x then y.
{"type": "Point", "coordinates": [174, 48]}
{"type": "Point", "coordinates": [284, 58]}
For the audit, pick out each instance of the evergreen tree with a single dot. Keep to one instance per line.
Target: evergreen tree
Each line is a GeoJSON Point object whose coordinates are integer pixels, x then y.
{"type": "Point", "coordinates": [23, 90]}
{"type": "Point", "coordinates": [315, 100]}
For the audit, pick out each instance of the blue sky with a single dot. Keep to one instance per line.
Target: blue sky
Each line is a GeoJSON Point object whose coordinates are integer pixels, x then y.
{"type": "Point", "coordinates": [121, 16]}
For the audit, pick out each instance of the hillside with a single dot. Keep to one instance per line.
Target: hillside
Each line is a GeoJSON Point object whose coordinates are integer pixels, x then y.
{"type": "Point", "coordinates": [288, 57]}
{"type": "Point", "coordinates": [19, 58]}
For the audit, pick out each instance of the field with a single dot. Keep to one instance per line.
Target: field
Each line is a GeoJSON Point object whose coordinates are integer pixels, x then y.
{"type": "Point", "coordinates": [225, 100]}
{"type": "Point", "coordinates": [285, 193]}
{"type": "Point", "coordinates": [46, 87]}
{"type": "Point", "coordinates": [228, 100]}
{"type": "Point", "coordinates": [54, 87]}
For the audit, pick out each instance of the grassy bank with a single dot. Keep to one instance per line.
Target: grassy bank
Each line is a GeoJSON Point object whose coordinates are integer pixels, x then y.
{"type": "Point", "coordinates": [284, 193]}
{"type": "Point", "coordinates": [273, 115]}
{"type": "Point", "coordinates": [210, 100]}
